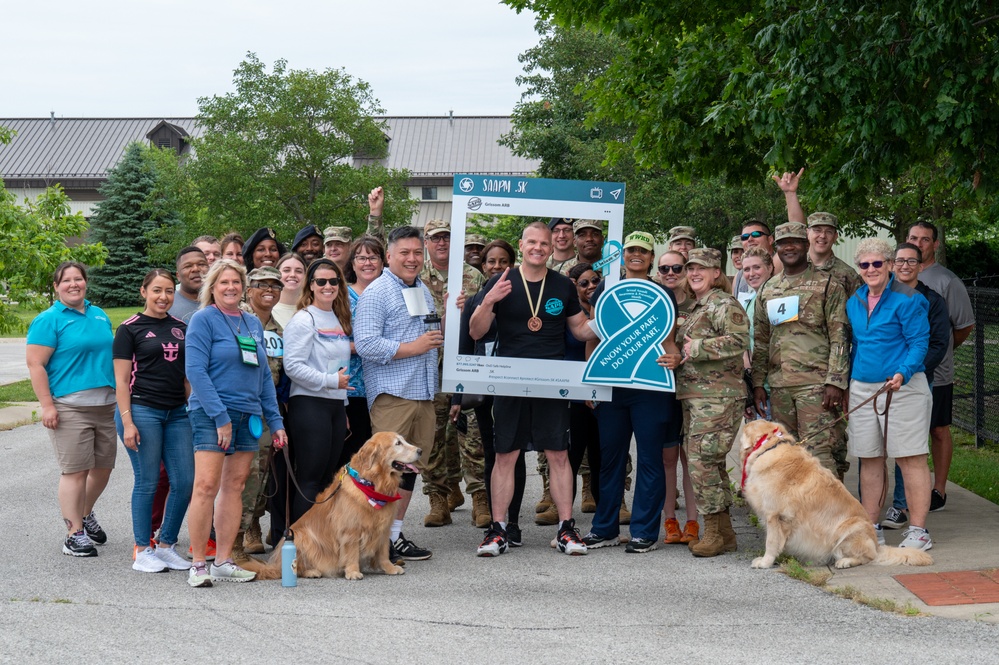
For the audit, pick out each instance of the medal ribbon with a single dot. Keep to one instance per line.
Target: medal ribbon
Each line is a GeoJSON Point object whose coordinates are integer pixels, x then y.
{"type": "Point", "coordinates": [530, 303]}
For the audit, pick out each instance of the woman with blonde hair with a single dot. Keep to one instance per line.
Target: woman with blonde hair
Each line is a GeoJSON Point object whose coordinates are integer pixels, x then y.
{"type": "Point", "coordinates": [231, 388]}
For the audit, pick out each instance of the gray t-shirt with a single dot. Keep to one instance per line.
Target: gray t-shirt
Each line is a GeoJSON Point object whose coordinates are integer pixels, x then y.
{"type": "Point", "coordinates": [962, 315]}
{"type": "Point", "coordinates": [182, 307]}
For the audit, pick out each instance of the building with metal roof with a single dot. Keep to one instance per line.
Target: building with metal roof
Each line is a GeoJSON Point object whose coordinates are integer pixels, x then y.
{"type": "Point", "coordinates": [77, 153]}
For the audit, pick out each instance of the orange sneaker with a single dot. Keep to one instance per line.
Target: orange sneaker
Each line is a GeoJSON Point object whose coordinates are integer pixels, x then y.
{"type": "Point", "coordinates": [691, 531]}
{"type": "Point", "coordinates": [673, 535]}
{"type": "Point", "coordinates": [209, 551]}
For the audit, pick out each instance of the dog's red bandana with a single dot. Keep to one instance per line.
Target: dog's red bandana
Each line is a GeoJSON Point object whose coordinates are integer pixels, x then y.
{"type": "Point", "coordinates": [376, 499]}
{"type": "Point", "coordinates": [755, 448]}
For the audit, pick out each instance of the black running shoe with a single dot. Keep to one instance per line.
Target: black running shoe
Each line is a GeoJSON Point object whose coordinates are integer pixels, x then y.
{"type": "Point", "coordinates": [79, 544]}
{"type": "Point", "coordinates": [513, 535]}
{"type": "Point", "coordinates": [568, 541]}
{"type": "Point", "coordinates": [641, 545]}
{"type": "Point", "coordinates": [593, 541]}
{"type": "Point", "coordinates": [495, 542]}
{"type": "Point", "coordinates": [409, 551]}
{"type": "Point", "coordinates": [94, 529]}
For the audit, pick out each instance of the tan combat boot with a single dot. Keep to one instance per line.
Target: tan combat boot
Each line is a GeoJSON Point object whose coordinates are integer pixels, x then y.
{"type": "Point", "coordinates": [252, 544]}
{"type": "Point", "coordinates": [711, 542]}
{"type": "Point", "coordinates": [481, 516]}
{"type": "Point", "coordinates": [238, 554]}
{"type": "Point", "coordinates": [439, 515]}
{"type": "Point", "coordinates": [624, 515]}
{"type": "Point", "coordinates": [548, 517]}
{"type": "Point", "coordinates": [726, 531]}
{"type": "Point", "coordinates": [454, 496]}
{"type": "Point", "coordinates": [588, 504]}
{"type": "Point", "coordinates": [546, 499]}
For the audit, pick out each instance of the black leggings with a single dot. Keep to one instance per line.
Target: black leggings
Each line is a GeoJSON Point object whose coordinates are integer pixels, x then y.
{"type": "Point", "coordinates": [360, 428]}
{"type": "Point", "coordinates": [484, 414]}
{"type": "Point", "coordinates": [318, 427]}
{"type": "Point", "coordinates": [584, 437]}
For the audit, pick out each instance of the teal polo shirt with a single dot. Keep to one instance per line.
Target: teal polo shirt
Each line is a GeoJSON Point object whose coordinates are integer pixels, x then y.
{"type": "Point", "coordinates": [82, 342]}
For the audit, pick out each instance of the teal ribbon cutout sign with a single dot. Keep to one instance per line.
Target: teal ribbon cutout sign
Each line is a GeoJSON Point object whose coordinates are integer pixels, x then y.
{"type": "Point", "coordinates": [634, 317]}
{"type": "Point", "coordinates": [612, 251]}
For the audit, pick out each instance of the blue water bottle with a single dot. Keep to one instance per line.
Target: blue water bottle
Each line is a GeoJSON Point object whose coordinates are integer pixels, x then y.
{"type": "Point", "coordinates": [288, 554]}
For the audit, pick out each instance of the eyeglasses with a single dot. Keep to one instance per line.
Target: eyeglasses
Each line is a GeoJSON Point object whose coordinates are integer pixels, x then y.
{"type": "Point", "coordinates": [585, 283]}
{"type": "Point", "coordinates": [754, 234]}
{"type": "Point", "coordinates": [562, 229]}
{"type": "Point", "coordinates": [266, 286]}
{"type": "Point", "coordinates": [323, 281]}
{"type": "Point", "coordinates": [677, 269]}
{"type": "Point", "coordinates": [906, 262]}
{"type": "Point", "coordinates": [367, 259]}
{"type": "Point", "coordinates": [864, 265]}
{"type": "Point", "coordinates": [439, 238]}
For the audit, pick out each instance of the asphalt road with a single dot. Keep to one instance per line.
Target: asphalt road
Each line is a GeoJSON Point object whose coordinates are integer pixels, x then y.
{"type": "Point", "coordinates": [12, 365]}
{"type": "Point", "coordinates": [531, 605]}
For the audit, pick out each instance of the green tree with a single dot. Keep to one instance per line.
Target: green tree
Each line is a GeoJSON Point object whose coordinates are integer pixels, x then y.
{"type": "Point", "coordinates": [277, 152]}
{"type": "Point", "coordinates": [123, 223]}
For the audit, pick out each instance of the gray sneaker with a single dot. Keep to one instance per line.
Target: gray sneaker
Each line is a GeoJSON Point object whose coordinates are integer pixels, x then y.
{"type": "Point", "coordinates": [917, 538]}
{"type": "Point", "coordinates": [227, 571]}
{"type": "Point", "coordinates": [199, 577]}
{"type": "Point", "coordinates": [880, 533]}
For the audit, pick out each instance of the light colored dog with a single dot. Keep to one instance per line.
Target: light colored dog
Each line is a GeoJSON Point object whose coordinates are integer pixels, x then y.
{"type": "Point", "coordinates": [807, 511]}
{"type": "Point", "coordinates": [339, 535]}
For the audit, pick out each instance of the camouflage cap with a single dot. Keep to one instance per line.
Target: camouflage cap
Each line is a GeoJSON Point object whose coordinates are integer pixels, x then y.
{"type": "Point", "coordinates": [823, 219]}
{"type": "Point", "coordinates": [709, 257]}
{"type": "Point", "coordinates": [337, 233]}
{"type": "Point", "coordinates": [264, 273]}
{"type": "Point", "coordinates": [735, 243]}
{"type": "Point", "coordinates": [475, 239]}
{"type": "Point", "coordinates": [790, 230]}
{"type": "Point", "coordinates": [581, 224]}
{"type": "Point", "coordinates": [683, 233]}
{"type": "Point", "coordinates": [436, 226]}
{"type": "Point", "coordinates": [640, 239]}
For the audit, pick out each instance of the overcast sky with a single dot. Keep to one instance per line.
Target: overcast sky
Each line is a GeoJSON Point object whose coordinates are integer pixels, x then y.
{"type": "Point", "coordinates": [127, 58]}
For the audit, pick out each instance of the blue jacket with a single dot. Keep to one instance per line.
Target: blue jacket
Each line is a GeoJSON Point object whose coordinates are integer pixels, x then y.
{"type": "Point", "coordinates": [894, 338]}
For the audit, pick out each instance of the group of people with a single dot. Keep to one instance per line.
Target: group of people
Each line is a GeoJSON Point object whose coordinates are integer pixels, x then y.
{"type": "Point", "coordinates": [250, 348]}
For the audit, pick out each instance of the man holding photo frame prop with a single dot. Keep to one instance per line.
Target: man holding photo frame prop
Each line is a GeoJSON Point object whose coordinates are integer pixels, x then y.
{"type": "Point", "coordinates": [532, 307]}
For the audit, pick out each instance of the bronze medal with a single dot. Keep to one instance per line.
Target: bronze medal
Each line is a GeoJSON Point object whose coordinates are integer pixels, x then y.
{"type": "Point", "coordinates": [534, 324]}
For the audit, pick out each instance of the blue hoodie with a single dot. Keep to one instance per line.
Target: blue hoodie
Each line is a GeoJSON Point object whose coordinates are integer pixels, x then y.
{"type": "Point", "coordinates": [894, 338]}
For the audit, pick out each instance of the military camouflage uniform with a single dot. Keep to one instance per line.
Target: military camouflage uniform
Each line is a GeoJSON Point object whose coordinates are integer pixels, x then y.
{"type": "Point", "coordinates": [452, 452]}
{"type": "Point", "coordinates": [841, 272]}
{"type": "Point", "coordinates": [798, 359]}
{"type": "Point", "coordinates": [562, 267]}
{"type": "Point", "coordinates": [711, 389]}
{"type": "Point", "coordinates": [254, 499]}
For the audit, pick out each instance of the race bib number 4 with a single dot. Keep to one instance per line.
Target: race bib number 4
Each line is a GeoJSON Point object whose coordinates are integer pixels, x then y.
{"type": "Point", "coordinates": [782, 310]}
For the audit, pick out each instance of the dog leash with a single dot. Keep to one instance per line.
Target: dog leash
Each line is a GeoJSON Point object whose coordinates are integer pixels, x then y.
{"type": "Point", "coordinates": [884, 389]}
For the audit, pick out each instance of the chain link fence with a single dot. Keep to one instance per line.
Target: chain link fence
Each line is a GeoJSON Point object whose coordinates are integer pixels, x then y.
{"type": "Point", "coordinates": [976, 365]}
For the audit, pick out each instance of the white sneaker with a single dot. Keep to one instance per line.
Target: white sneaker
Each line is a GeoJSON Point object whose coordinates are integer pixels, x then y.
{"type": "Point", "coordinates": [880, 534]}
{"type": "Point", "coordinates": [146, 562]}
{"type": "Point", "coordinates": [227, 571]}
{"type": "Point", "coordinates": [917, 538]}
{"type": "Point", "coordinates": [169, 556]}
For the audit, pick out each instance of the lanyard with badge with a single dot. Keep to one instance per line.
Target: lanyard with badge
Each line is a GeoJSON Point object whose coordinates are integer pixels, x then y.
{"type": "Point", "coordinates": [247, 345]}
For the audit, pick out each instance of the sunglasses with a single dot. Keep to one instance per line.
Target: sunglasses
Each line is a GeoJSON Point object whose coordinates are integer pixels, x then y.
{"type": "Point", "coordinates": [677, 269]}
{"type": "Point", "coordinates": [323, 281]}
{"type": "Point", "coordinates": [906, 262]}
{"type": "Point", "coordinates": [585, 283]}
{"type": "Point", "coordinates": [266, 286]}
{"type": "Point", "coordinates": [864, 265]}
{"type": "Point", "coordinates": [754, 234]}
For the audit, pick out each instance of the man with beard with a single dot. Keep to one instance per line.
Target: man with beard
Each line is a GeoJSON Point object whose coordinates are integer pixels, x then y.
{"type": "Point", "coordinates": [801, 349]}
{"type": "Point", "coordinates": [308, 244]}
{"type": "Point", "coordinates": [191, 269]}
{"type": "Point", "coordinates": [564, 253]}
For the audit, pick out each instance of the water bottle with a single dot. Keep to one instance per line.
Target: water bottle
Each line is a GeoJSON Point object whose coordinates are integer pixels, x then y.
{"type": "Point", "coordinates": [288, 554]}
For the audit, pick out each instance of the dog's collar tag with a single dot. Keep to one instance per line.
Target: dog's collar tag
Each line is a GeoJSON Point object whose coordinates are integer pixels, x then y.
{"type": "Point", "coordinates": [376, 499]}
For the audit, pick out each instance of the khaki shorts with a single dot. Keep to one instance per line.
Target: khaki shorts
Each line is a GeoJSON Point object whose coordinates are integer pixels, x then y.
{"type": "Point", "coordinates": [414, 420]}
{"type": "Point", "coordinates": [85, 438]}
{"type": "Point", "coordinates": [908, 420]}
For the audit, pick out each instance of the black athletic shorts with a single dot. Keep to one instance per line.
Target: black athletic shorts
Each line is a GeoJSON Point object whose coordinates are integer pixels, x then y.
{"type": "Point", "coordinates": [530, 423]}
{"type": "Point", "coordinates": [943, 404]}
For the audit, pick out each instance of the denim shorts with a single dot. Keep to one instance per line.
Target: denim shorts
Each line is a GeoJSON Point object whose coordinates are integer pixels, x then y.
{"type": "Point", "coordinates": [206, 435]}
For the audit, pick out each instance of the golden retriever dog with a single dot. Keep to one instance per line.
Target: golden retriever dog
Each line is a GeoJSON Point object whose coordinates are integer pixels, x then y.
{"type": "Point", "coordinates": [807, 510]}
{"type": "Point", "coordinates": [339, 535]}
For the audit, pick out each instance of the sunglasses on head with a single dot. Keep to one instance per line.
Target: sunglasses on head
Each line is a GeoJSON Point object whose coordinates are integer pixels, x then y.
{"type": "Point", "coordinates": [323, 281]}
{"type": "Point", "coordinates": [585, 283]}
{"type": "Point", "coordinates": [676, 268]}
{"type": "Point", "coordinates": [754, 234]}
{"type": "Point", "coordinates": [864, 265]}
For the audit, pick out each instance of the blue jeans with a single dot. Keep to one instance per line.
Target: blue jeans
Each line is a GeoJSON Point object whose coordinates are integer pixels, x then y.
{"type": "Point", "coordinates": [164, 435]}
{"type": "Point", "coordinates": [646, 413]}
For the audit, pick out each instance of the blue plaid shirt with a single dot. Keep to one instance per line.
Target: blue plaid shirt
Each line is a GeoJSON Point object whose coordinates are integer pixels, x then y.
{"type": "Point", "coordinates": [382, 324]}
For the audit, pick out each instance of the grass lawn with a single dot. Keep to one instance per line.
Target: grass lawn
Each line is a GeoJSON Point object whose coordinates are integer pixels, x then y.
{"type": "Point", "coordinates": [19, 391]}
{"type": "Point", "coordinates": [975, 469]}
{"type": "Point", "coordinates": [117, 315]}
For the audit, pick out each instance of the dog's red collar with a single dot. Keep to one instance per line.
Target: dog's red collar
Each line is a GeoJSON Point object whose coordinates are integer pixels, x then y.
{"type": "Point", "coordinates": [376, 499]}
{"type": "Point", "coordinates": [756, 447]}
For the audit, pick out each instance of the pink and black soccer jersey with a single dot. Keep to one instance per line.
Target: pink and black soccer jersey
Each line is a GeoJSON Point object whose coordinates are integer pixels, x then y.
{"type": "Point", "coordinates": [156, 349]}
